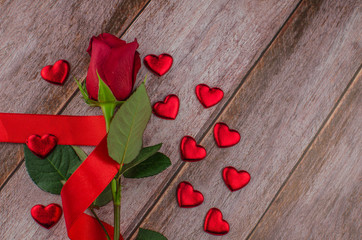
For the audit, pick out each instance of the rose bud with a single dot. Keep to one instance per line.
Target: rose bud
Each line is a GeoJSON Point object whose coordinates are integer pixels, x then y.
{"type": "Point", "coordinates": [117, 64]}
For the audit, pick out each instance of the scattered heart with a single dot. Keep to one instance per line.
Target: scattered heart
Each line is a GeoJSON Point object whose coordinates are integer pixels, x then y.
{"type": "Point", "coordinates": [207, 96]}
{"type": "Point", "coordinates": [46, 216]}
{"type": "Point", "coordinates": [41, 146]}
{"type": "Point", "coordinates": [168, 109]}
{"type": "Point", "coordinates": [235, 179]}
{"type": "Point", "coordinates": [224, 136]}
{"type": "Point", "coordinates": [215, 224]}
{"type": "Point", "coordinates": [159, 64]}
{"type": "Point", "coordinates": [190, 151]}
{"type": "Point", "coordinates": [56, 73]}
{"type": "Point", "coordinates": [187, 197]}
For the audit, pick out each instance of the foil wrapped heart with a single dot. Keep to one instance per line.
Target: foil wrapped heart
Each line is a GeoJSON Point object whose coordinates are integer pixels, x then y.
{"type": "Point", "coordinates": [224, 136]}
{"type": "Point", "coordinates": [168, 109]}
{"type": "Point", "coordinates": [235, 179]}
{"type": "Point", "coordinates": [207, 96]}
{"type": "Point", "coordinates": [187, 197]}
{"type": "Point", "coordinates": [56, 73]}
{"type": "Point", "coordinates": [46, 216]}
{"type": "Point", "coordinates": [158, 64]}
{"type": "Point", "coordinates": [41, 146]}
{"type": "Point", "coordinates": [190, 151]}
{"type": "Point", "coordinates": [215, 224]}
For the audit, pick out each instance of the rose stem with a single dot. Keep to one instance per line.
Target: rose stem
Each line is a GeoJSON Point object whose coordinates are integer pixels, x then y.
{"type": "Point", "coordinates": [117, 206]}
{"type": "Point", "coordinates": [108, 112]}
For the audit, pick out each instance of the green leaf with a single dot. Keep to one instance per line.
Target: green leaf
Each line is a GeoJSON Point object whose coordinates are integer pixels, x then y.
{"type": "Point", "coordinates": [48, 173]}
{"type": "Point", "coordinates": [80, 153]}
{"type": "Point", "coordinates": [145, 234]}
{"type": "Point", "coordinates": [150, 167]}
{"type": "Point", "coordinates": [127, 127]}
{"type": "Point", "coordinates": [82, 89]}
{"type": "Point", "coordinates": [104, 92]}
{"type": "Point", "coordinates": [142, 156]}
{"type": "Point", "coordinates": [104, 198]}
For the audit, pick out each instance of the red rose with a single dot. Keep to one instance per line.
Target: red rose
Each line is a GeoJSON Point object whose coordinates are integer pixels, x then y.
{"type": "Point", "coordinates": [116, 62]}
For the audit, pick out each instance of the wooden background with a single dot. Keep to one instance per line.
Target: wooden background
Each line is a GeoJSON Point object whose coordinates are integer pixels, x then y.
{"type": "Point", "coordinates": [291, 74]}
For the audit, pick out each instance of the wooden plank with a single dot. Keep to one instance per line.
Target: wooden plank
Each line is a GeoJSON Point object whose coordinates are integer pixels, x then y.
{"type": "Point", "coordinates": [34, 34]}
{"type": "Point", "coordinates": [278, 111]}
{"type": "Point", "coordinates": [322, 198]}
{"type": "Point", "coordinates": [213, 42]}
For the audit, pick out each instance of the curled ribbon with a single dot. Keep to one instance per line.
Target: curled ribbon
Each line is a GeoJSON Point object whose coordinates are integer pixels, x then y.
{"type": "Point", "coordinates": [87, 182]}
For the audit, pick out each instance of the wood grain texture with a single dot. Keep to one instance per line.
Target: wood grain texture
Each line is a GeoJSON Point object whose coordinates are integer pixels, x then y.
{"type": "Point", "coordinates": [212, 42]}
{"type": "Point", "coordinates": [34, 34]}
{"type": "Point", "coordinates": [322, 198]}
{"type": "Point", "coordinates": [278, 111]}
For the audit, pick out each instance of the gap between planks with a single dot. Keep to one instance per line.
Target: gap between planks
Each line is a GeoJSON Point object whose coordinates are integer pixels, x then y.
{"type": "Point", "coordinates": [65, 103]}
{"type": "Point", "coordinates": [322, 127]}
{"type": "Point", "coordinates": [203, 132]}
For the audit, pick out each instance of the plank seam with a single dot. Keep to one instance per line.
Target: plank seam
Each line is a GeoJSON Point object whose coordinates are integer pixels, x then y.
{"type": "Point", "coordinates": [307, 149]}
{"type": "Point", "coordinates": [131, 229]}
{"type": "Point", "coordinates": [66, 103]}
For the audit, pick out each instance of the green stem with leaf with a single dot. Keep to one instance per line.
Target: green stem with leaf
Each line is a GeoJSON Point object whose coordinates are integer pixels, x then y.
{"type": "Point", "coordinates": [108, 112]}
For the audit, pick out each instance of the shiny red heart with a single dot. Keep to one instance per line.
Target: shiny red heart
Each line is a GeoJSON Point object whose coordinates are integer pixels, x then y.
{"type": "Point", "coordinates": [158, 64]}
{"type": "Point", "coordinates": [168, 109]}
{"type": "Point", "coordinates": [46, 216]}
{"type": "Point", "coordinates": [41, 146]}
{"type": "Point", "coordinates": [56, 73]}
{"type": "Point", "coordinates": [234, 179]}
{"type": "Point", "coordinates": [207, 96]}
{"type": "Point", "coordinates": [225, 137]}
{"type": "Point", "coordinates": [187, 197]}
{"type": "Point", "coordinates": [214, 223]}
{"type": "Point", "coordinates": [190, 151]}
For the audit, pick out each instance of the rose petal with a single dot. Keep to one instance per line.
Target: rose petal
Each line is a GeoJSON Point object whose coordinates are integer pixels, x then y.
{"type": "Point", "coordinates": [109, 39]}
{"type": "Point", "coordinates": [118, 70]}
{"type": "Point", "coordinates": [100, 52]}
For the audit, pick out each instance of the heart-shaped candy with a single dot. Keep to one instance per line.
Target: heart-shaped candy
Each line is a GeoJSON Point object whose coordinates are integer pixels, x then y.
{"type": "Point", "coordinates": [207, 96]}
{"type": "Point", "coordinates": [159, 64]}
{"type": "Point", "coordinates": [56, 73]}
{"type": "Point", "coordinates": [41, 146]}
{"type": "Point", "coordinates": [46, 216]}
{"type": "Point", "coordinates": [214, 224]}
{"type": "Point", "coordinates": [224, 136]}
{"type": "Point", "coordinates": [187, 197]}
{"type": "Point", "coordinates": [234, 179]}
{"type": "Point", "coordinates": [168, 109]}
{"type": "Point", "coordinates": [190, 151]}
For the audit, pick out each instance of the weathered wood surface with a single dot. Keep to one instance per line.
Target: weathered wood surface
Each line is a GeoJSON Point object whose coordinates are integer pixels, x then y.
{"type": "Point", "coordinates": [278, 111]}
{"type": "Point", "coordinates": [34, 34]}
{"type": "Point", "coordinates": [322, 198]}
{"type": "Point", "coordinates": [213, 42]}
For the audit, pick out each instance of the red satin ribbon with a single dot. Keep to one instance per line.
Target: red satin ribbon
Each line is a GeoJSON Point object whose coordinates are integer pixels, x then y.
{"type": "Point", "coordinates": [70, 130]}
{"type": "Point", "coordinates": [92, 176]}
{"type": "Point", "coordinates": [83, 187]}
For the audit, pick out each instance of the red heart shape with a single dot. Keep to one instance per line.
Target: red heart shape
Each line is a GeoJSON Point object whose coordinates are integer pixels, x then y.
{"type": "Point", "coordinates": [41, 146]}
{"type": "Point", "coordinates": [214, 224]}
{"type": "Point", "coordinates": [158, 64]}
{"type": "Point", "coordinates": [56, 73]}
{"type": "Point", "coordinates": [234, 179]}
{"type": "Point", "coordinates": [225, 137]}
{"type": "Point", "coordinates": [168, 109]}
{"type": "Point", "coordinates": [46, 216]}
{"type": "Point", "coordinates": [187, 197]}
{"type": "Point", "coordinates": [190, 151]}
{"type": "Point", "coordinates": [207, 96]}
